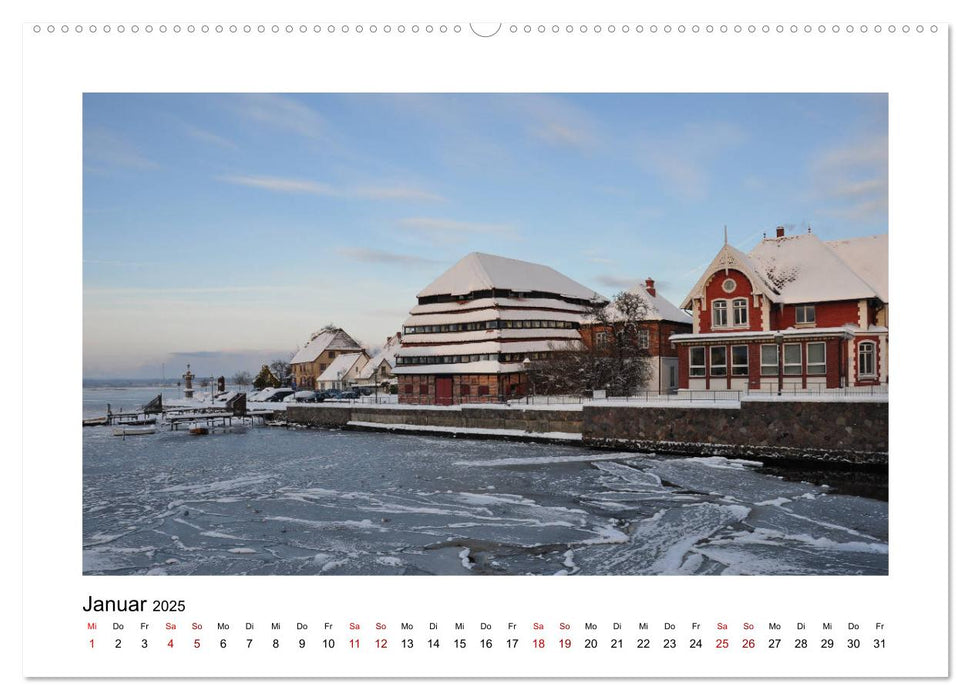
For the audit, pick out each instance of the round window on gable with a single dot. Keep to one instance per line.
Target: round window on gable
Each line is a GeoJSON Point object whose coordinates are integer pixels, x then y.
{"type": "Point", "coordinates": [728, 285]}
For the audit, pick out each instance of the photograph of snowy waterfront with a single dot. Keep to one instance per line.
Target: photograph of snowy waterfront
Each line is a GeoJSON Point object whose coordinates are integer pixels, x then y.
{"type": "Point", "coordinates": [269, 501]}
{"type": "Point", "coordinates": [486, 334]}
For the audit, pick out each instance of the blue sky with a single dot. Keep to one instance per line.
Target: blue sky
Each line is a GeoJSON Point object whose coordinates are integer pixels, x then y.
{"type": "Point", "coordinates": [223, 229]}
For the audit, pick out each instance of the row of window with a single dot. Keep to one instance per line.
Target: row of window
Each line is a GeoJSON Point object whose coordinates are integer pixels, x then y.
{"type": "Point", "coordinates": [805, 313]}
{"type": "Point", "coordinates": [719, 312]}
{"type": "Point", "coordinates": [459, 359]}
{"type": "Point", "coordinates": [490, 325]}
{"type": "Point", "coordinates": [464, 389]}
{"type": "Point", "coordinates": [718, 356]}
{"type": "Point", "coordinates": [601, 339]}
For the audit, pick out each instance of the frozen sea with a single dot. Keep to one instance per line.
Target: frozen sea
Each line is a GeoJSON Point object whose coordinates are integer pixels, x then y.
{"type": "Point", "coordinates": [275, 501]}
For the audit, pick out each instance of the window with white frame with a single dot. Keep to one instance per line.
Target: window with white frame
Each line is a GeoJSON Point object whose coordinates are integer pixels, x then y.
{"type": "Point", "coordinates": [866, 359]}
{"type": "Point", "coordinates": [815, 358]}
{"type": "Point", "coordinates": [740, 312]}
{"type": "Point", "coordinates": [770, 359]}
{"type": "Point", "coordinates": [740, 360]}
{"type": "Point", "coordinates": [600, 339]}
{"type": "Point", "coordinates": [719, 312]}
{"type": "Point", "coordinates": [792, 358]}
{"type": "Point", "coordinates": [806, 313]}
{"type": "Point", "coordinates": [719, 363]}
{"type": "Point", "coordinates": [696, 364]}
{"type": "Point", "coordinates": [643, 339]}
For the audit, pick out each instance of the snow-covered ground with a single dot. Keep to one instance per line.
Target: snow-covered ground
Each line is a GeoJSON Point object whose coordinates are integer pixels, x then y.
{"type": "Point", "coordinates": [277, 501]}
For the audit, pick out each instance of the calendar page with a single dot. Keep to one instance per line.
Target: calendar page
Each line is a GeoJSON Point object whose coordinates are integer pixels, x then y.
{"type": "Point", "coordinates": [504, 345]}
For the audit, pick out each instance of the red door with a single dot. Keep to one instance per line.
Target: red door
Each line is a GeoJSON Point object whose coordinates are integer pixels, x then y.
{"type": "Point", "coordinates": [443, 391]}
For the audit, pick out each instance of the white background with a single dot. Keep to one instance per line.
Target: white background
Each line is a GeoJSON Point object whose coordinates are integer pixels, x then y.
{"type": "Point", "coordinates": [911, 69]}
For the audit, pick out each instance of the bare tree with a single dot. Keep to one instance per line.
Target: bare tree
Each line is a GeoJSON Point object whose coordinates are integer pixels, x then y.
{"type": "Point", "coordinates": [242, 379]}
{"type": "Point", "coordinates": [618, 365]}
{"type": "Point", "coordinates": [282, 370]}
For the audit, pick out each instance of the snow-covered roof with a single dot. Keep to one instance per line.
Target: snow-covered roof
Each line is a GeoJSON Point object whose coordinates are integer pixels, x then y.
{"type": "Point", "coordinates": [488, 347]}
{"type": "Point", "coordinates": [868, 257]}
{"type": "Point", "coordinates": [387, 354]}
{"type": "Point", "coordinates": [492, 313]}
{"type": "Point", "coordinates": [804, 269]}
{"type": "Point", "coordinates": [657, 307]}
{"type": "Point", "coordinates": [481, 367]}
{"type": "Point", "coordinates": [493, 334]}
{"type": "Point", "coordinates": [479, 271]}
{"type": "Point", "coordinates": [338, 369]}
{"type": "Point", "coordinates": [519, 303]}
{"type": "Point", "coordinates": [324, 340]}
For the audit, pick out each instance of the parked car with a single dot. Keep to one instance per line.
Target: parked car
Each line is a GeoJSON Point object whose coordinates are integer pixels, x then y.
{"type": "Point", "coordinates": [278, 395]}
{"type": "Point", "coordinates": [328, 394]}
{"type": "Point", "coordinates": [304, 397]}
{"type": "Point", "coordinates": [350, 394]}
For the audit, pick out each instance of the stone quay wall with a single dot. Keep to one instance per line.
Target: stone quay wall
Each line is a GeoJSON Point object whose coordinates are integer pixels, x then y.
{"type": "Point", "coordinates": [530, 420]}
{"type": "Point", "coordinates": [839, 432]}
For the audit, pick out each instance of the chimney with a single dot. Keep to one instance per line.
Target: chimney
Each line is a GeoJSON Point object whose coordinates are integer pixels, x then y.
{"type": "Point", "coordinates": [649, 283]}
{"type": "Point", "coordinates": [780, 231]}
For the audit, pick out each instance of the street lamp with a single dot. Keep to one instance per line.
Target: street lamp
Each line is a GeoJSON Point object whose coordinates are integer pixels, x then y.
{"type": "Point", "coordinates": [526, 369]}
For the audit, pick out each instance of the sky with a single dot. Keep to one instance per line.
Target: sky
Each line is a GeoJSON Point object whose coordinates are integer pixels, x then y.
{"type": "Point", "coordinates": [223, 229]}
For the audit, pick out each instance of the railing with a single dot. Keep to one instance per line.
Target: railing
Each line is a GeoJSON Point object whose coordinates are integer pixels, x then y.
{"type": "Point", "coordinates": [687, 396]}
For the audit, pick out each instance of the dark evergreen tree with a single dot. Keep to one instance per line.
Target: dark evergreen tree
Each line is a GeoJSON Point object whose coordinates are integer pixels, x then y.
{"type": "Point", "coordinates": [266, 379]}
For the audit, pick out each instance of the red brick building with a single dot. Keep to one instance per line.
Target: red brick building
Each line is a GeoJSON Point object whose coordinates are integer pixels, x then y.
{"type": "Point", "coordinates": [796, 312]}
{"type": "Point", "coordinates": [660, 321]}
{"type": "Point", "coordinates": [473, 327]}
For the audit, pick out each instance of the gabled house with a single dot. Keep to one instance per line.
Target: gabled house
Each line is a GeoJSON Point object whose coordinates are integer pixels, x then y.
{"type": "Point", "coordinates": [474, 326]}
{"type": "Point", "coordinates": [796, 313]}
{"type": "Point", "coordinates": [318, 353]}
{"type": "Point", "coordinates": [343, 372]}
{"type": "Point", "coordinates": [661, 319]}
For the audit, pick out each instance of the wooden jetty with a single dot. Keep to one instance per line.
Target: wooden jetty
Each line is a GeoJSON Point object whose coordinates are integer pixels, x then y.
{"type": "Point", "coordinates": [177, 417]}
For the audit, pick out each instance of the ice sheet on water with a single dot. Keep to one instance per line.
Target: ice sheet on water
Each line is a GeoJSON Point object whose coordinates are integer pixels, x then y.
{"type": "Point", "coordinates": [767, 551]}
{"type": "Point", "coordinates": [621, 475]}
{"type": "Point", "coordinates": [342, 503]}
{"type": "Point", "coordinates": [538, 460]}
{"type": "Point", "coordinates": [659, 545]}
{"type": "Point", "coordinates": [727, 478]}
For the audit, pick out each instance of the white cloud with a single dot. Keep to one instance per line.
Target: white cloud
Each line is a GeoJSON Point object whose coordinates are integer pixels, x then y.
{"type": "Point", "coordinates": [282, 113]}
{"type": "Point", "coordinates": [282, 184]}
{"type": "Point", "coordinates": [616, 281]}
{"type": "Point", "coordinates": [410, 193]}
{"type": "Point", "coordinates": [296, 186]}
{"type": "Point", "coordinates": [681, 161]}
{"type": "Point", "coordinates": [454, 231]}
{"type": "Point", "coordinates": [105, 147]}
{"type": "Point", "coordinates": [209, 137]}
{"type": "Point", "coordinates": [557, 121]}
{"type": "Point", "coordinates": [373, 255]}
{"type": "Point", "coordinates": [851, 181]}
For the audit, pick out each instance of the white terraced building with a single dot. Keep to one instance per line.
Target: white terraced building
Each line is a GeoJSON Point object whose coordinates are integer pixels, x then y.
{"type": "Point", "coordinates": [467, 338]}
